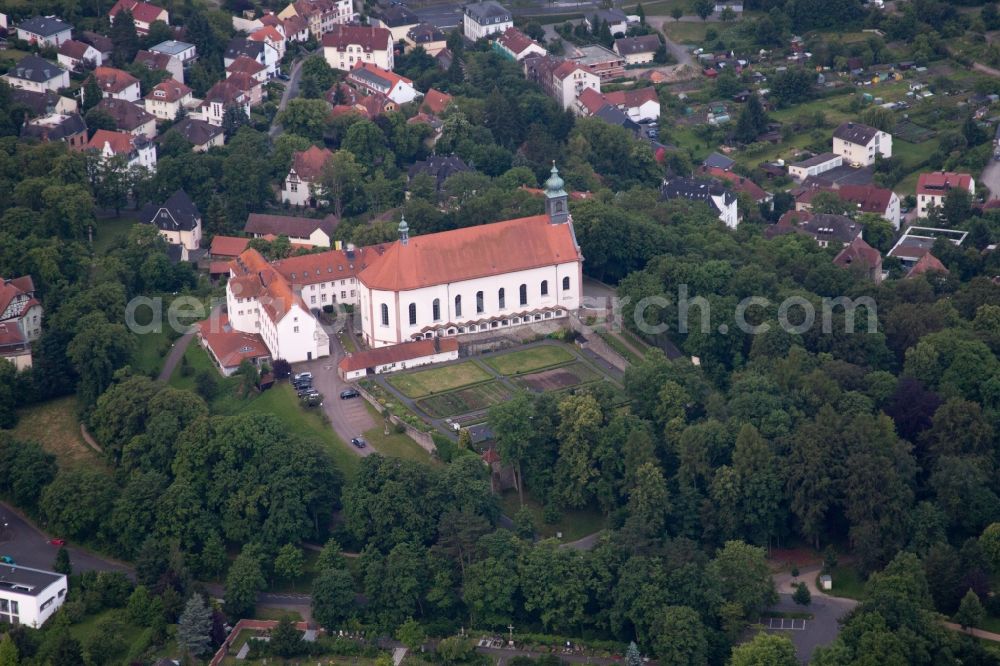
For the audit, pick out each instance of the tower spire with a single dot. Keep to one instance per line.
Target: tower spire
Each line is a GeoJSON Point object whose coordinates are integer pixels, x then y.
{"type": "Point", "coordinates": [404, 230]}
{"type": "Point", "coordinates": [556, 199]}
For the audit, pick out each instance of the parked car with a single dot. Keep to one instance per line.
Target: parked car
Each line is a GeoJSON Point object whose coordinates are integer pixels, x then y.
{"type": "Point", "coordinates": [57, 542]}
{"type": "Point", "coordinates": [284, 77]}
{"type": "Point", "coordinates": [358, 442]}
{"type": "Point", "coordinates": [349, 393]}
{"type": "Point", "coordinates": [7, 559]}
{"type": "Point", "coordinates": [303, 375]}
{"type": "Point", "coordinates": [312, 399]}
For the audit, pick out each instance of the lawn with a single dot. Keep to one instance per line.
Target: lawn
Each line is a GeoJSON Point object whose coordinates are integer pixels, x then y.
{"type": "Point", "coordinates": [150, 351]}
{"type": "Point", "coordinates": [55, 427]}
{"type": "Point", "coordinates": [135, 639]}
{"type": "Point", "coordinates": [194, 361]}
{"type": "Point", "coordinates": [529, 360]}
{"type": "Point", "coordinates": [991, 623]}
{"type": "Point", "coordinates": [847, 582]}
{"type": "Point", "coordinates": [463, 401]}
{"type": "Point", "coordinates": [437, 380]}
{"type": "Point", "coordinates": [395, 444]}
{"type": "Point", "coordinates": [573, 524]}
{"type": "Point", "coordinates": [108, 230]}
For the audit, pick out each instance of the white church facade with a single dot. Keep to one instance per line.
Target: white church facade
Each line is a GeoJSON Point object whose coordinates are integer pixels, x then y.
{"type": "Point", "coordinates": [470, 280]}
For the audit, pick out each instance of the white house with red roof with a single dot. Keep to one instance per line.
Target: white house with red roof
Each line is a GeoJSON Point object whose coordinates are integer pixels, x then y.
{"type": "Point", "coordinates": [321, 16]}
{"type": "Point", "coordinates": [220, 97]}
{"type": "Point", "coordinates": [144, 14]}
{"type": "Point", "coordinates": [299, 188]}
{"type": "Point", "coordinates": [76, 55]}
{"type": "Point", "coordinates": [642, 104]}
{"type": "Point", "coordinates": [20, 320]}
{"type": "Point", "coordinates": [271, 36]}
{"type": "Point", "coordinates": [517, 45]}
{"type": "Point", "coordinates": [563, 80]}
{"type": "Point", "coordinates": [397, 357]}
{"type": "Point", "coordinates": [139, 151]}
{"type": "Point", "coordinates": [346, 45]}
{"type": "Point", "coordinates": [473, 280]}
{"type": "Point", "coordinates": [167, 99]}
{"type": "Point", "coordinates": [933, 187]}
{"type": "Point", "coordinates": [117, 83]}
{"type": "Point", "coordinates": [373, 79]}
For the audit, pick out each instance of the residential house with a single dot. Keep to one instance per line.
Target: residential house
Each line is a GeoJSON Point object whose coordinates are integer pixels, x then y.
{"type": "Point", "coordinates": [397, 19]}
{"type": "Point", "coordinates": [721, 200]}
{"type": "Point", "coordinates": [100, 42]}
{"type": "Point", "coordinates": [933, 187]}
{"type": "Point", "coordinates": [129, 117]}
{"type": "Point", "coordinates": [304, 231]}
{"type": "Point", "coordinates": [28, 596]}
{"type": "Point", "coordinates": [614, 116]}
{"type": "Point", "coordinates": [826, 229]}
{"type": "Point", "coordinates": [563, 80]}
{"type": "Point", "coordinates": [814, 166]}
{"type": "Point", "coordinates": [144, 14]}
{"type": "Point", "coordinates": [227, 347]}
{"type": "Point", "coordinates": [220, 97]}
{"type": "Point", "coordinates": [595, 58]}
{"type": "Point", "coordinates": [637, 50]}
{"type": "Point", "coordinates": [249, 76]}
{"type": "Point", "coordinates": [927, 264]}
{"type": "Point", "coordinates": [616, 19]}
{"type": "Point", "coordinates": [516, 45]}
{"type": "Point", "coordinates": [475, 279]}
{"type": "Point", "coordinates": [262, 52]}
{"type": "Point", "coordinates": [200, 134]}
{"type": "Point", "coordinates": [439, 168]}
{"type": "Point", "coordinates": [138, 151]}
{"type": "Point", "coordinates": [435, 102]}
{"type": "Point", "coordinates": [373, 79]}
{"type": "Point", "coordinates": [304, 176]}
{"type": "Point", "coordinates": [482, 19]}
{"type": "Point", "coordinates": [741, 185]}
{"type": "Point", "coordinates": [859, 144]}
{"type": "Point", "coordinates": [183, 51]}
{"type": "Point", "coordinates": [296, 29]}
{"type": "Point", "coordinates": [43, 103]}
{"type": "Point", "coordinates": [719, 161]}
{"type": "Point", "coordinates": [346, 45]}
{"type": "Point", "coordinates": [862, 257]}
{"type": "Point", "coordinates": [69, 128]}
{"type": "Point", "coordinates": [321, 15]}
{"type": "Point", "coordinates": [45, 31]}
{"type": "Point", "coordinates": [37, 75]}
{"type": "Point", "coordinates": [160, 62]}
{"type": "Point", "coordinates": [116, 84]}
{"type": "Point", "coordinates": [168, 99]}
{"type": "Point", "coordinates": [638, 105]}
{"type": "Point", "coordinates": [20, 324]}
{"type": "Point", "coordinates": [272, 37]}
{"type": "Point", "coordinates": [178, 221]}
{"type": "Point", "coordinates": [865, 198]}
{"type": "Point", "coordinates": [427, 36]}
{"type": "Point", "coordinates": [77, 56]}
{"type": "Point", "coordinates": [227, 247]}
{"type": "Point", "coordinates": [444, 59]}
{"type": "Point", "coordinates": [397, 357]}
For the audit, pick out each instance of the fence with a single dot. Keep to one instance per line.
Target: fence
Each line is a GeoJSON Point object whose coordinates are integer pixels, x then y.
{"type": "Point", "coordinates": [422, 439]}
{"type": "Point", "coordinates": [259, 625]}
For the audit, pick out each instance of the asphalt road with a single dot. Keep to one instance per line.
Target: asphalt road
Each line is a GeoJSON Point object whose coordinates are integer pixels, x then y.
{"type": "Point", "coordinates": [290, 92]}
{"type": "Point", "coordinates": [30, 547]}
{"type": "Point", "coordinates": [349, 418]}
{"type": "Point", "coordinates": [823, 628]}
{"type": "Point", "coordinates": [991, 178]}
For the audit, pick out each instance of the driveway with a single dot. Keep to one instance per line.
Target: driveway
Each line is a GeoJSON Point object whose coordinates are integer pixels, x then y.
{"type": "Point", "coordinates": [349, 418]}
{"type": "Point", "coordinates": [824, 626]}
{"type": "Point", "coordinates": [290, 92]}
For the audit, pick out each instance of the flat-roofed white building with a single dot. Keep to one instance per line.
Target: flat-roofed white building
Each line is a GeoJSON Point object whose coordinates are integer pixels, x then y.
{"type": "Point", "coordinates": [29, 596]}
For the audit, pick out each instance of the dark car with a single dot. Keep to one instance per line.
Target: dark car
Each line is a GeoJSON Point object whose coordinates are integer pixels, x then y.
{"type": "Point", "coordinates": [358, 442]}
{"type": "Point", "coordinates": [349, 393]}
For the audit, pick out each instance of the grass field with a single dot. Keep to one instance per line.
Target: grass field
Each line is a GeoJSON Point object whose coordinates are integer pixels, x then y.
{"type": "Point", "coordinates": [54, 426]}
{"type": "Point", "coordinates": [562, 377]}
{"type": "Point", "coordinates": [846, 583]}
{"type": "Point", "coordinates": [465, 400]}
{"type": "Point", "coordinates": [107, 231]}
{"type": "Point", "coordinates": [135, 639]}
{"type": "Point", "coordinates": [527, 360]}
{"type": "Point", "coordinates": [574, 524]}
{"type": "Point", "coordinates": [396, 445]}
{"type": "Point", "coordinates": [436, 380]}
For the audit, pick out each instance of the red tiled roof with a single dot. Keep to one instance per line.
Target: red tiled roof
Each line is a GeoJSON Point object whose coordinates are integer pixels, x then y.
{"type": "Point", "coordinates": [939, 182]}
{"type": "Point", "coordinates": [120, 142]}
{"type": "Point", "coordinates": [153, 60]}
{"type": "Point", "coordinates": [141, 11]}
{"type": "Point", "coordinates": [397, 353]}
{"type": "Point", "coordinates": [392, 77]}
{"type": "Point", "coordinates": [286, 225]}
{"type": "Point", "coordinates": [565, 69]}
{"type": "Point", "coordinates": [308, 164]}
{"type": "Point", "coordinates": [740, 183]}
{"type": "Point", "coordinates": [218, 268]}
{"type": "Point", "coordinates": [592, 100]}
{"type": "Point", "coordinates": [325, 266]}
{"type": "Point", "coordinates": [927, 264]}
{"type": "Point", "coordinates": [868, 198]}
{"type": "Point", "coordinates": [255, 278]}
{"type": "Point", "coordinates": [245, 65]}
{"type": "Point", "coordinates": [632, 98]}
{"type": "Point", "coordinates": [267, 33]}
{"type": "Point", "coordinates": [367, 37]}
{"type": "Point", "coordinates": [294, 25]}
{"type": "Point", "coordinates": [858, 252]}
{"type": "Point", "coordinates": [171, 89]}
{"type": "Point", "coordinates": [228, 246]}
{"type": "Point", "coordinates": [436, 101]}
{"type": "Point", "coordinates": [243, 81]}
{"type": "Point", "coordinates": [231, 347]}
{"type": "Point", "coordinates": [472, 252]}
{"type": "Point", "coordinates": [516, 41]}
{"type": "Point", "coordinates": [113, 80]}
{"type": "Point", "coordinates": [73, 49]}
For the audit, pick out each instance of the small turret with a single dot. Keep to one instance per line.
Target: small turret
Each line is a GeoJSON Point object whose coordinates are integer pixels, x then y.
{"type": "Point", "coordinates": [404, 230]}
{"type": "Point", "coordinates": [556, 199]}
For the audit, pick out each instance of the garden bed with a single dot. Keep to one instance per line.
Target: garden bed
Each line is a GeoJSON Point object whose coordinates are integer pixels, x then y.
{"type": "Point", "coordinates": [529, 360]}
{"type": "Point", "coordinates": [471, 399]}
{"type": "Point", "coordinates": [438, 380]}
{"type": "Point", "coordinates": [558, 378]}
